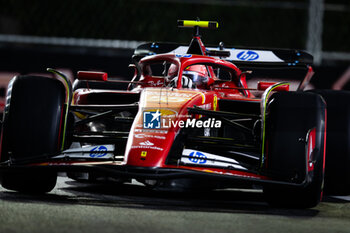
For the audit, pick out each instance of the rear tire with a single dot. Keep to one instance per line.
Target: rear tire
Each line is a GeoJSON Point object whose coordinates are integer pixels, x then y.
{"type": "Point", "coordinates": [337, 176]}
{"type": "Point", "coordinates": [291, 116]}
{"type": "Point", "coordinates": [32, 129]}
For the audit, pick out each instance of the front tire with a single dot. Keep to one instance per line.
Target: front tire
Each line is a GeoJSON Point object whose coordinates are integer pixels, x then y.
{"type": "Point", "coordinates": [32, 129]}
{"type": "Point", "coordinates": [292, 117]}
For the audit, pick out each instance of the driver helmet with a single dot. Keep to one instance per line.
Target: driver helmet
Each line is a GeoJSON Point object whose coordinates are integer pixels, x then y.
{"type": "Point", "coordinates": [198, 74]}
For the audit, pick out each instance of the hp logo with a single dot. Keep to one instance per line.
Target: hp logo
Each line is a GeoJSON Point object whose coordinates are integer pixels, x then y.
{"type": "Point", "coordinates": [247, 55]}
{"type": "Point", "coordinates": [98, 152]}
{"type": "Point", "coordinates": [197, 157]}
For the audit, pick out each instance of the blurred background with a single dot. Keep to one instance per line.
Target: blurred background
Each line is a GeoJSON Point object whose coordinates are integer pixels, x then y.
{"type": "Point", "coordinates": [101, 35]}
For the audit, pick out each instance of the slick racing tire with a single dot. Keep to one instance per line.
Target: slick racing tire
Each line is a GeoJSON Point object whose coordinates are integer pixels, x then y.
{"type": "Point", "coordinates": [337, 173]}
{"type": "Point", "coordinates": [32, 128]}
{"type": "Point", "coordinates": [294, 125]}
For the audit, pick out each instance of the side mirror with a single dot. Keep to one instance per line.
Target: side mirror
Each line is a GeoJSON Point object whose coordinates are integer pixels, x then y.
{"type": "Point", "coordinates": [262, 86]}
{"type": "Point", "coordinates": [92, 75]}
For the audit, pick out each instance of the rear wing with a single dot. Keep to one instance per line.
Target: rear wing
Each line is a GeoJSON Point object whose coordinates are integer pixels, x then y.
{"type": "Point", "coordinates": [240, 56]}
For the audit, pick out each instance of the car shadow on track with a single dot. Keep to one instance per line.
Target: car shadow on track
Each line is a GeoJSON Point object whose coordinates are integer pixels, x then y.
{"type": "Point", "coordinates": [136, 196]}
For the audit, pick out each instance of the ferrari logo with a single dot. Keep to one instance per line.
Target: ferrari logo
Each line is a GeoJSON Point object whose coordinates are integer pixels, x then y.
{"type": "Point", "coordinates": [143, 155]}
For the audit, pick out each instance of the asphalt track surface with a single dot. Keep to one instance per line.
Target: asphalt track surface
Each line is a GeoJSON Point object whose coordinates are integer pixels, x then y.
{"type": "Point", "coordinates": [76, 207]}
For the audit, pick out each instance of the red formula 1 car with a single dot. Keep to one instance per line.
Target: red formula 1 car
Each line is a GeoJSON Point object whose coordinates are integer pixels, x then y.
{"type": "Point", "coordinates": [188, 120]}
